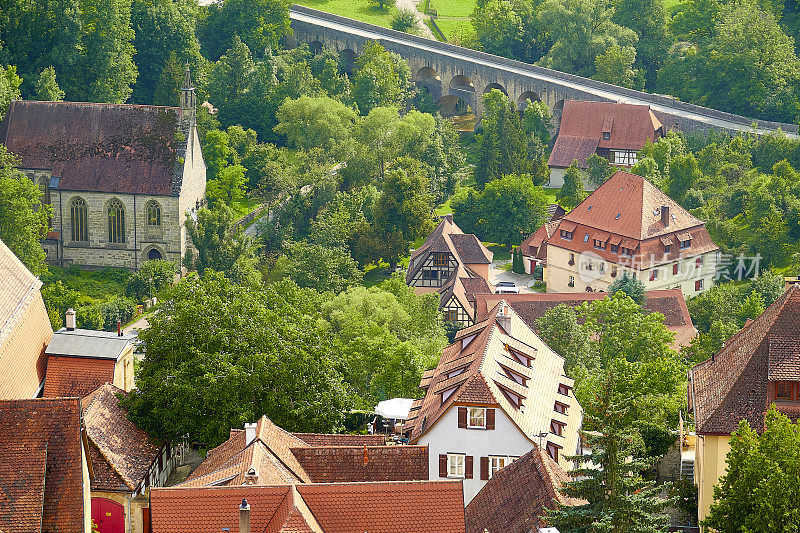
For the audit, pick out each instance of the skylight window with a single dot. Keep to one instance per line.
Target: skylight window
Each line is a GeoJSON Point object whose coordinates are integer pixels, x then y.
{"type": "Point", "coordinates": [589, 208]}
{"type": "Point", "coordinates": [618, 215]}
{"type": "Point", "coordinates": [586, 237]}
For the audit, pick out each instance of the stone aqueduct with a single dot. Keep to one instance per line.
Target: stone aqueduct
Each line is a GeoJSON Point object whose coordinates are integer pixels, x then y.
{"type": "Point", "coordinates": [456, 76]}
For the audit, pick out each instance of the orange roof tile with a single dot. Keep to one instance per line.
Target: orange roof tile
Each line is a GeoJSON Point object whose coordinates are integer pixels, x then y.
{"type": "Point", "coordinates": [76, 376]}
{"type": "Point", "coordinates": [329, 439]}
{"type": "Point", "coordinates": [332, 464]}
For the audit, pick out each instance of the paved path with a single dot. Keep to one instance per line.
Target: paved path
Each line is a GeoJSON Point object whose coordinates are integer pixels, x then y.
{"type": "Point", "coordinates": [496, 274]}
{"type": "Point", "coordinates": [425, 31]}
{"type": "Point", "coordinates": [137, 325]}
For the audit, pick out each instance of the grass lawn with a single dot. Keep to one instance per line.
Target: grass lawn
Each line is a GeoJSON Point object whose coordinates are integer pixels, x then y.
{"type": "Point", "coordinates": [97, 284]}
{"type": "Point", "coordinates": [243, 207]}
{"type": "Point", "coordinates": [450, 26]}
{"type": "Point", "coordinates": [444, 208]}
{"type": "Point", "coordinates": [672, 5]}
{"type": "Point", "coordinates": [551, 194]}
{"type": "Point", "coordinates": [355, 9]}
{"type": "Point", "coordinates": [501, 253]}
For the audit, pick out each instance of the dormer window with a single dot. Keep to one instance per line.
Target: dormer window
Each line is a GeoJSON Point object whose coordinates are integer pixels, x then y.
{"type": "Point", "coordinates": [585, 237]}
{"type": "Point", "coordinates": [606, 135]}
{"type": "Point", "coordinates": [566, 235]}
{"type": "Point", "coordinates": [787, 391]}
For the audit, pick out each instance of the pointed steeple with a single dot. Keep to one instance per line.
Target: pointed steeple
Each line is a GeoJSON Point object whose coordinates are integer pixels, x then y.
{"type": "Point", "coordinates": [188, 98]}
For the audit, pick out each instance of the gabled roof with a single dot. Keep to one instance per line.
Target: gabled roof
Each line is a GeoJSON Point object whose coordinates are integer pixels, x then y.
{"type": "Point", "coordinates": [419, 506]}
{"type": "Point", "coordinates": [115, 148]}
{"type": "Point", "coordinates": [638, 204]}
{"type": "Point", "coordinates": [24, 328]}
{"type": "Point", "coordinates": [125, 450]}
{"type": "Point", "coordinates": [516, 497]}
{"type": "Point", "coordinates": [90, 343]}
{"type": "Point", "coordinates": [463, 284]}
{"type": "Point", "coordinates": [471, 371]}
{"type": "Point", "coordinates": [448, 237]}
{"type": "Point", "coordinates": [583, 124]}
{"type": "Point", "coordinates": [338, 464]}
{"type": "Point", "coordinates": [530, 306]}
{"type": "Point", "coordinates": [733, 384]}
{"type": "Point", "coordinates": [334, 439]}
{"type": "Point", "coordinates": [532, 246]}
{"type": "Point", "coordinates": [41, 472]}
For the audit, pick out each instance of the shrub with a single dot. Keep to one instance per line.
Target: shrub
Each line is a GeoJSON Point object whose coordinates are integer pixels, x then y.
{"type": "Point", "coordinates": [149, 279]}
{"type": "Point", "coordinates": [404, 20]}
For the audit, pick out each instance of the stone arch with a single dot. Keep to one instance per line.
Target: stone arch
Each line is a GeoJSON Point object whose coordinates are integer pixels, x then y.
{"type": "Point", "coordinates": [461, 83]}
{"type": "Point", "coordinates": [427, 74]}
{"type": "Point", "coordinates": [495, 86]}
{"type": "Point", "coordinates": [452, 106]}
{"type": "Point", "coordinates": [524, 97]}
{"type": "Point", "coordinates": [558, 109]}
{"type": "Point", "coordinates": [316, 47]}
{"type": "Point", "coordinates": [347, 60]}
{"type": "Point", "coordinates": [153, 252]}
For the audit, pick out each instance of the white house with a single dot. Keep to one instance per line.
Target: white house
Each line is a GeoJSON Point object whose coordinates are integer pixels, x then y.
{"type": "Point", "coordinates": [497, 391]}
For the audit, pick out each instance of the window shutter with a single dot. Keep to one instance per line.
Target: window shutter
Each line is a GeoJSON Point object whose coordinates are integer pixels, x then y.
{"type": "Point", "coordinates": [468, 467]}
{"type": "Point", "coordinates": [442, 465]}
{"type": "Point", "coordinates": [490, 419]}
{"type": "Point", "coordinates": [462, 417]}
{"type": "Point", "coordinates": [484, 468]}
{"type": "Point", "coordinates": [652, 275]}
{"type": "Point", "coordinates": [675, 268]}
{"type": "Point", "coordinates": [697, 285]}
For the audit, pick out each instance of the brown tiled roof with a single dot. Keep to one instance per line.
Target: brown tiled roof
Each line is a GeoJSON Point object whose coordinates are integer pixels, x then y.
{"type": "Point", "coordinates": [555, 212]}
{"type": "Point", "coordinates": [24, 328]}
{"type": "Point", "coordinates": [116, 148]}
{"type": "Point", "coordinates": [532, 246]}
{"type": "Point", "coordinates": [631, 127]}
{"type": "Point", "coordinates": [35, 433]}
{"type": "Point", "coordinates": [76, 376]}
{"type": "Point", "coordinates": [441, 240]}
{"type": "Point", "coordinates": [669, 302]}
{"type": "Point", "coordinates": [125, 448]}
{"type": "Point", "coordinates": [470, 249]}
{"type": "Point", "coordinates": [734, 384]}
{"type": "Point", "coordinates": [333, 464]}
{"type": "Point", "coordinates": [516, 497]}
{"type": "Point", "coordinates": [332, 439]}
{"type": "Point", "coordinates": [388, 507]}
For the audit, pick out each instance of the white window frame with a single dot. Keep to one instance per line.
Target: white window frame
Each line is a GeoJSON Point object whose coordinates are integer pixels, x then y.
{"type": "Point", "coordinates": [497, 463]}
{"type": "Point", "coordinates": [476, 410]}
{"type": "Point", "coordinates": [626, 158]}
{"type": "Point", "coordinates": [456, 465]}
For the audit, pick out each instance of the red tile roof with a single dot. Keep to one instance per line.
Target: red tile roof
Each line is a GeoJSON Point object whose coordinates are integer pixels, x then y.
{"type": "Point", "coordinates": [116, 148]}
{"type": "Point", "coordinates": [583, 123]}
{"type": "Point", "coordinates": [734, 384]}
{"type": "Point", "coordinates": [669, 302]}
{"type": "Point", "coordinates": [35, 433]}
{"type": "Point", "coordinates": [332, 439]}
{"type": "Point", "coordinates": [516, 497]}
{"type": "Point", "coordinates": [536, 244]}
{"type": "Point", "coordinates": [448, 237]}
{"type": "Point", "coordinates": [76, 376]}
{"type": "Point", "coordinates": [418, 506]}
{"type": "Point", "coordinates": [334, 464]}
{"type": "Point", "coordinates": [124, 449]}
{"type": "Point", "coordinates": [24, 328]}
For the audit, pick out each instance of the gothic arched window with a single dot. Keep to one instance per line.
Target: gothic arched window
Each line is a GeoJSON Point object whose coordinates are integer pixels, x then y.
{"type": "Point", "coordinates": [79, 220]}
{"type": "Point", "coordinates": [153, 214]}
{"type": "Point", "coordinates": [116, 221]}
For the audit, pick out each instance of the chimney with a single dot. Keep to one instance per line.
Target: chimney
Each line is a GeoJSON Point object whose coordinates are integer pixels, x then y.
{"type": "Point", "coordinates": [249, 433]}
{"type": "Point", "coordinates": [119, 328]}
{"type": "Point", "coordinates": [70, 320]}
{"type": "Point", "coordinates": [665, 215]}
{"type": "Point", "coordinates": [504, 315]}
{"type": "Point", "coordinates": [244, 517]}
{"type": "Point", "coordinates": [251, 476]}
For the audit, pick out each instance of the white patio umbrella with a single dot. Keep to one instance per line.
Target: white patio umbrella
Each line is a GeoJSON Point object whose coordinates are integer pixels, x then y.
{"type": "Point", "coordinates": [396, 408]}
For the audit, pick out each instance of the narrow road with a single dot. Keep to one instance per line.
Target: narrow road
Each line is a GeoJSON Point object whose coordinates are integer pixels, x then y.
{"type": "Point", "coordinates": [425, 31]}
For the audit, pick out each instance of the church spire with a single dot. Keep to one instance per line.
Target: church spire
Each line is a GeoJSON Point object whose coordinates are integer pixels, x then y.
{"type": "Point", "coordinates": [188, 98]}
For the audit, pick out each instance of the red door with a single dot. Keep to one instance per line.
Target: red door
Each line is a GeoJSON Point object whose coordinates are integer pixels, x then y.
{"type": "Point", "coordinates": [108, 516]}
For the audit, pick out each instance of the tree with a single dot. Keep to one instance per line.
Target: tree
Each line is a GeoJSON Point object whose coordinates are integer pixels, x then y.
{"type": "Point", "coordinates": [512, 208]}
{"type": "Point", "coordinates": [219, 354]}
{"type": "Point", "coordinates": [23, 219]}
{"type": "Point", "coordinates": [315, 122]}
{"type": "Point", "coordinates": [498, 28]}
{"type": "Point", "coordinates": [598, 170]}
{"type": "Point", "coordinates": [648, 19]}
{"type": "Point", "coordinates": [618, 498]}
{"type": "Point", "coordinates": [615, 66]}
{"type": "Point", "coordinates": [630, 286]}
{"type": "Point", "coordinates": [537, 121]}
{"type": "Point", "coordinates": [571, 192]}
{"type": "Point", "coordinates": [322, 268]}
{"type": "Point", "coordinates": [260, 24]}
{"type": "Point", "coordinates": [228, 186]}
{"type": "Point", "coordinates": [150, 279]}
{"type": "Point", "coordinates": [560, 330]}
{"type": "Point", "coordinates": [402, 213]}
{"type": "Point", "coordinates": [501, 146]}
{"type": "Point", "coordinates": [46, 87]}
{"type": "Point", "coordinates": [9, 88]}
{"type": "Point", "coordinates": [684, 172]}
{"type": "Point", "coordinates": [759, 491]}
{"type": "Point", "coordinates": [383, 4]}
{"type": "Point", "coordinates": [381, 78]}
{"type": "Point", "coordinates": [405, 20]}
{"type": "Point", "coordinates": [218, 246]}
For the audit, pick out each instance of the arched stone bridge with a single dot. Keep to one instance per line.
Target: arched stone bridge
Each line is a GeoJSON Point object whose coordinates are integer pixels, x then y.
{"type": "Point", "coordinates": [456, 76]}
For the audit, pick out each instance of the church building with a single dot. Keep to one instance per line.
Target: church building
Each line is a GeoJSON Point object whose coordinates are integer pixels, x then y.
{"type": "Point", "coordinates": [121, 178]}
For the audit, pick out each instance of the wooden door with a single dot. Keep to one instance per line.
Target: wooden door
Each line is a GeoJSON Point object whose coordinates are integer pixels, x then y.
{"type": "Point", "coordinates": [108, 516]}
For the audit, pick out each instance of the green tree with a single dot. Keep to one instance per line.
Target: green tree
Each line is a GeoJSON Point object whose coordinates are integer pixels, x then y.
{"type": "Point", "coordinates": [383, 4]}
{"type": "Point", "coordinates": [315, 122]}
{"type": "Point", "coordinates": [759, 491]}
{"type": "Point", "coordinates": [598, 170]}
{"type": "Point", "coordinates": [23, 219]}
{"type": "Point", "coordinates": [9, 88]}
{"type": "Point", "coordinates": [498, 27]}
{"type": "Point", "coordinates": [501, 146]}
{"type": "Point", "coordinates": [648, 19]}
{"type": "Point", "coordinates": [381, 78]}
{"type": "Point", "coordinates": [46, 87]}
{"type": "Point", "coordinates": [405, 20]}
{"type": "Point", "coordinates": [150, 279]}
{"type": "Point", "coordinates": [618, 498]}
{"type": "Point", "coordinates": [218, 246]}
{"type": "Point", "coordinates": [571, 192]}
{"type": "Point", "coordinates": [260, 24]}
{"type": "Point", "coordinates": [228, 186]}
{"type": "Point", "coordinates": [512, 208]}
{"type": "Point", "coordinates": [219, 354]}
{"type": "Point", "coordinates": [560, 330]}
{"type": "Point", "coordinates": [537, 121]}
{"type": "Point", "coordinates": [402, 213]}
{"type": "Point", "coordinates": [684, 172]}
{"type": "Point", "coordinates": [630, 286]}
{"type": "Point", "coordinates": [615, 66]}
{"type": "Point", "coordinates": [322, 268]}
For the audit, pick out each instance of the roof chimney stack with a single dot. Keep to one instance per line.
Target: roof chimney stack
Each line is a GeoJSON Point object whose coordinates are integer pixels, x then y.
{"type": "Point", "coordinates": [665, 215]}
{"type": "Point", "coordinates": [249, 433]}
{"type": "Point", "coordinates": [70, 319]}
{"type": "Point", "coordinates": [504, 315]}
{"type": "Point", "coordinates": [119, 328]}
{"type": "Point", "coordinates": [244, 517]}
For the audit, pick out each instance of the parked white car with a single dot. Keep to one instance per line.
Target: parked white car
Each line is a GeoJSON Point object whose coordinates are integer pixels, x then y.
{"type": "Point", "coordinates": [506, 287]}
